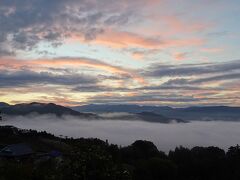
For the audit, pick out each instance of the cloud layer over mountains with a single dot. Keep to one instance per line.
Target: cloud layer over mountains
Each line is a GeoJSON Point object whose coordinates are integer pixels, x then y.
{"type": "Point", "coordinates": [165, 136]}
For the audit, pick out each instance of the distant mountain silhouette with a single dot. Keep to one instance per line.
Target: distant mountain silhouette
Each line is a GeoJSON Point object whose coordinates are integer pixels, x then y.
{"type": "Point", "coordinates": [143, 116]}
{"type": "Point", "coordinates": [105, 108]}
{"type": "Point", "coordinates": [42, 108]}
{"type": "Point", "coordinates": [225, 113]}
{"type": "Point", "coordinates": [163, 114]}
{"type": "Point", "coordinates": [2, 104]}
{"type": "Point", "coordinates": [153, 117]}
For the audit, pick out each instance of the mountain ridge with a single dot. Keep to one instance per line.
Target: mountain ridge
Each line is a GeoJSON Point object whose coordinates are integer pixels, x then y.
{"type": "Point", "coordinates": [3, 104]}
{"type": "Point", "coordinates": [161, 113]}
{"type": "Point", "coordinates": [186, 113]}
{"type": "Point", "coordinates": [42, 108]}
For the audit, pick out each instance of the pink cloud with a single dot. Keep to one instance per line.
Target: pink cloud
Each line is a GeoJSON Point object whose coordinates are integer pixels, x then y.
{"type": "Point", "coordinates": [180, 56]}
{"type": "Point", "coordinates": [41, 64]}
{"type": "Point", "coordinates": [138, 55]}
{"type": "Point", "coordinates": [176, 25]}
{"type": "Point", "coordinates": [123, 39]}
{"type": "Point", "coordinates": [212, 50]}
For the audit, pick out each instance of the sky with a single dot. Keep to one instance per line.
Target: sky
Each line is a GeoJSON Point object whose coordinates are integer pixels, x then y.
{"type": "Point", "coordinates": [147, 52]}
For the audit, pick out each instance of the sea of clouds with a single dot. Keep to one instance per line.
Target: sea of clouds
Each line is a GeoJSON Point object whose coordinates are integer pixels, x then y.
{"type": "Point", "coordinates": [165, 136]}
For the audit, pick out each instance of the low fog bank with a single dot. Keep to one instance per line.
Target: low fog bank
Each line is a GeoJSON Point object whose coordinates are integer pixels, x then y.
{"type": "Point", "coordinates": [165, 136]}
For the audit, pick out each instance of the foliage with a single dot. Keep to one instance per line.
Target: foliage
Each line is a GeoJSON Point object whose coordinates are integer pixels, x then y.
{"type": "Point", "coordinates": [94, 159]}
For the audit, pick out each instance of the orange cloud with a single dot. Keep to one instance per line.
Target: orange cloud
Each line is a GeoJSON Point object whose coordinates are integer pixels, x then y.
{"type": "Point", "coordinates": [172, 25]}
{"type": "Point", "coordinates": [75, 62]}
{"type": "Point", "coordinates": [138, 55]}
{"type": "Point", "coordinates": [69, 62]}
{"type": "Point", "coordinates": [8, 63]}
{"type": "Point", "coordinates": [177, 25]}
{"type": "Point", "coordinates": [126, 39]}
{"type": "Point", "coordinates": [180, 56]}
{"type": "Point", "coordinates": [122, 39]}
{"type": "Point", "coordinates": [212, 50]}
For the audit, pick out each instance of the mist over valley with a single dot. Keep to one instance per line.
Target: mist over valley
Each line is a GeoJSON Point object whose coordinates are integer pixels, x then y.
{"type": "Point", "coordinates": [124, 132]}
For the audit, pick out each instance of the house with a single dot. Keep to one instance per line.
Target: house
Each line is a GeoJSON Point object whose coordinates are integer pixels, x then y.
{"type": "Point", "coordinates": [16, 151]}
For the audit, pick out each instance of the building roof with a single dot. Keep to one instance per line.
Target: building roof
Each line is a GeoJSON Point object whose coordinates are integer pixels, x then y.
{"type": "Point", "coordinates": [15, 150]}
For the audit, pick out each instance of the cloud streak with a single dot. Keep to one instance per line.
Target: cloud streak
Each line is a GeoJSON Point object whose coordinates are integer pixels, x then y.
{"type": "Point", "coordinates": [193, 69]}
{"type": "Point", "coordinates": [71, 63]}
{"type": "Point", "coordinates": [26, 78]}
{"type": "Point", "coordinates": [124, 39]}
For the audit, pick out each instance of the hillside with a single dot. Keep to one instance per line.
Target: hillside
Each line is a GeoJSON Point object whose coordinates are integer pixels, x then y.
{"type": "Point", "coordinates": [142, 116]}
{"type": "Point", "coordinates": [162, 114]}
{"type": "Point", "coordinates": [42, 108]}
{"type": "Point", "coordinates": [154, 117]}
{"type": "Point", "coordinates": [2, 104]}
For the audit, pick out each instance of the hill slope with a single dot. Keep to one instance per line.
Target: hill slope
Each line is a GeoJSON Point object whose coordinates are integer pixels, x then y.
{"type": "Point", "coordinates": [41, 108]}
{"type": "Point", "coordinates": [2, 104]}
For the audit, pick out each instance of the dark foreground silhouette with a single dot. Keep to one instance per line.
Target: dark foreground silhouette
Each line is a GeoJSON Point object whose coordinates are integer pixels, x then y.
{"type": "Point", "coordinates": [28, 154]}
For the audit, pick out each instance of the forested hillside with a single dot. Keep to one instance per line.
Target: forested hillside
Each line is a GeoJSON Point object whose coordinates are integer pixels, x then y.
{"type": "Point", "coordinates": [94, 159]}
